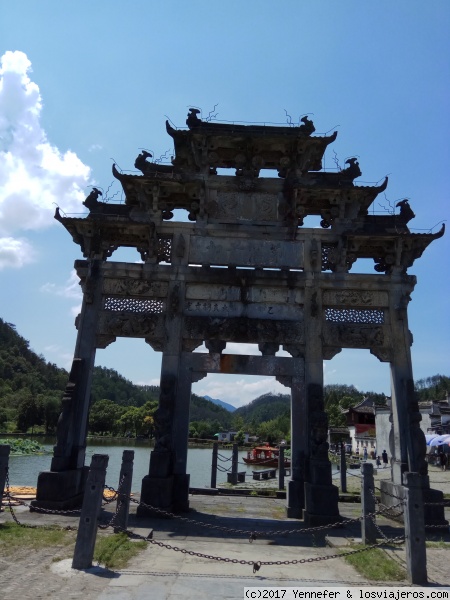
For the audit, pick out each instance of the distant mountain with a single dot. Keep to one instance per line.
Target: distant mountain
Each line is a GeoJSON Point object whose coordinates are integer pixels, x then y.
{"type": "Point", "coordinates": [266, 407]}
{"type": "Point", "coordinates": [225, 405]}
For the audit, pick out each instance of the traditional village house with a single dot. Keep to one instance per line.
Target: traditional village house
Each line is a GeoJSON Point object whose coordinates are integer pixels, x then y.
{"type": "Point", "coordinates": [361, 427]}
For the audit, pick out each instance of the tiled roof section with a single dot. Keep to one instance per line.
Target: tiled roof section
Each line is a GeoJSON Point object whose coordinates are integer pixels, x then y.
{"type": "Point", "coordinates": [338, 429]}
{"type": "Point", "coordinates": [364, 409]}
{"type": "Point", "coordinates": [365, 406]}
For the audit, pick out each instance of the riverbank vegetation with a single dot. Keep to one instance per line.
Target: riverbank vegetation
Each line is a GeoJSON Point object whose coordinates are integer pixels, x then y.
{"type": "Point", "coordinates": [31, 390]}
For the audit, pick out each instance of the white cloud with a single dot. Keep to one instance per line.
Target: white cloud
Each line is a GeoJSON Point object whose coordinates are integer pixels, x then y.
{"type": "Point", "coordinates": [34, 174]}
{"type": "Point", "coordinates": [61, 357]}
{"type": "Point", "coordinates": [71, 289]}
{"type": "Point", "coordinates": [154, 381]}
{"type": "Point", "coordinates": [237, 392]}
{"type": "Point", "coordinates": [15, 253]}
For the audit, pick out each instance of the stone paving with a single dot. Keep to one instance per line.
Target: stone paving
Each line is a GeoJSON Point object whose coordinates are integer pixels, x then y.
{"type": "Point", "coordinates": [162, 573]}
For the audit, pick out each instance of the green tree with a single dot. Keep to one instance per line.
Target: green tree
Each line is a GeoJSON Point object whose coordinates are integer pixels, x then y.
{"type": "Point", "coordinates": [131, 420]}
{"type": "Point", "coordinates": [29, 414]}
{"type": "Point", "coordinates": [103, 416]}
{"type": "Point", "coordinates": [240, 437]}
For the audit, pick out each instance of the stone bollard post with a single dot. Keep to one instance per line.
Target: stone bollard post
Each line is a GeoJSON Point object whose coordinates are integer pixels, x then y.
{"type": "Point", "coordinates": [123, 499]}
{"type": "Point", "coordinates": [281, 469]}
{"type": "Point", "coordinates": [4, 459]}
{"type": "Point", "coordinates": [87, 529]}
{"type": "Point", "coordinates": [368, 529]}
{"type": "Point", "coordinates": [416, 555]}
{"type": "Point", "coordinates": [343, 470]}
{"type": "Point", "coordinates": [234, 465]}
{"type": "Point", "coordinates": [214, 465]}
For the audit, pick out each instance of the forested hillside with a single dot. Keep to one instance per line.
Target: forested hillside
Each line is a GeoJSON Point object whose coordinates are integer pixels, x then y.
{"type": "Point", "coordinates": [31, 390]}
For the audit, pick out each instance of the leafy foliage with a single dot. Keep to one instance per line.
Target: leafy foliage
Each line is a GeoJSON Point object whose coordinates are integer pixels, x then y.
{"type": "Point", "coordinates": [433, 388]}
{"type": "Point", "coordinates": [31, 390]}
{"type": "Point", "coordinates": [23, 446]}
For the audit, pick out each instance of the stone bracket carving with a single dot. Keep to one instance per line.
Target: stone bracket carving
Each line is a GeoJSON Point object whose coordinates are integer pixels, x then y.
{"type": "Point", "coordinates": [383, 354]}
{"type": "Point", "coordinates": [284, 380]}
{"type": "Point", "coordinates": [198, 376]}
{"type": "Point", "coordinates": [330, 352]}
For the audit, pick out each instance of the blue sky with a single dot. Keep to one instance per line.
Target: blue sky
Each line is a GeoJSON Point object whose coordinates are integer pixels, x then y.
{"type": "Point", "coordinates": [86, 82]}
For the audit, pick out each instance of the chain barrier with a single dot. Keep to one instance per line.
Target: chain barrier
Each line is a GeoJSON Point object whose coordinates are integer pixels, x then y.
{"type": "Point", "coordinates": [388, 493]}
{"type": "Point", "coordinates": [354, 474]}
{"type": "Point", "coordinates": [256, 565]}
{"type": "Point", "coordinates": [11, 498]}
{"type": "Point", "coordinates": [253, 535]}
{"type": "Point", "coordinates": [115, 493]}
{"type": "Point", "coordinates": [223, 469]}
{"type": "Point", "coordinates": [223, 458]}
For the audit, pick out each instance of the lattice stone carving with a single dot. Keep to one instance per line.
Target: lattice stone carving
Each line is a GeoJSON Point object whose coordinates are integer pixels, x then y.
{"type": "Point", "coordinates": [134, 305]}
{"type": "Point", "coordinates": [329, 257]}
{"type": "Point", "coordinates": [164, 249]}
{"type": "Point", "coordinates": [352, 315]}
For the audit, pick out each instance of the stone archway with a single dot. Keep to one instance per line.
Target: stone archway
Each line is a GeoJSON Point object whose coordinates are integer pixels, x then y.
{"type": "Point", "coordinates": [283, 286]}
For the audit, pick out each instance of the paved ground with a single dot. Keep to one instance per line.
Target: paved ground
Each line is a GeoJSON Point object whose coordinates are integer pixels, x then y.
{"type": "Point", "coordinates": [159, 572]}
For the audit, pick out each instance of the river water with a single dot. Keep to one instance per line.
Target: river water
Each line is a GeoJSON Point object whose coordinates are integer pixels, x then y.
{"type": "Point", "coordinates": [24, 470]}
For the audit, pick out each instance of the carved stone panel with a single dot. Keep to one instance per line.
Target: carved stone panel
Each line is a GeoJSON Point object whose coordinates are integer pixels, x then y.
{"type": "Point", "coordinates": [204, 291]}
{"type": "Point", "coordinates": [355, 298]}
{"type": "Point", "coordinates": [242, 330]}
{"type": "Point", "coordinates": [134, 287]}
{"type": "Point", "coordinates": [353, 335]}
{"type": "Point", "coordinates": [239, 309]}
{"type": "Point", "coordinates": [251, 206]}
{"type": "Point", "coordinates": [126, 324]}
{"type": "Point", "coordinates": [281, 295]}
{"type": "Point", "coordinates": [246, 252]}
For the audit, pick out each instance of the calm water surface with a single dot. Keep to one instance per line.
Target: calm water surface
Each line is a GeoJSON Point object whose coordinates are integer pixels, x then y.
{"type": "Point", "coordinates": [24, 470]}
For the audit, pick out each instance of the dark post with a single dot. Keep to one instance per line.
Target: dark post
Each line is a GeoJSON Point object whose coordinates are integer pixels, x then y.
{"type": "Point", "coordinates": [368, 529]}
{"type": "Point", "coordinates": [234, 465]}
{"type": "Point", "coordinates": [343, 470]}
{"type": "Point", "coordinates": [123, 499]}
{"type": "Point", "coordinates": [87, 530]}
{"type": "Point", "coordinates": [416, 555]}
{"type": "Point", "coordinates": [214, 465]}
{"type": "Point", "coordinates": [281, 469]}
{"type": "Point", "coordinates": [4, 458]}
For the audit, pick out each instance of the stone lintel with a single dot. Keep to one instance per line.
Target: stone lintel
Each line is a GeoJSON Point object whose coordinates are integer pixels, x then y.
{"type": "Point", "coordinates": [240, 364]}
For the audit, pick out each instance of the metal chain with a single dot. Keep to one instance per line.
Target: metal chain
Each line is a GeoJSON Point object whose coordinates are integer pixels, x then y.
{"type": "Point", "coordinates": [119, 496]}
{"type": "Point", "coordinates": [257, 564]}
{"type": "Point", "coordinates": [252, 534]}
{"type": "Point", "coordinates": [223, 458]}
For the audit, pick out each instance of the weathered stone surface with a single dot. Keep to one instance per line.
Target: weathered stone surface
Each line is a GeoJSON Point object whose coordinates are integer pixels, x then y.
{"type": "Point", "coordinates": [245, 270]}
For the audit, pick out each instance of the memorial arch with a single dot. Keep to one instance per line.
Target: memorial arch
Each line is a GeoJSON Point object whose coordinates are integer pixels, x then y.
{"type": "Point", "coordinates": [243, 269]}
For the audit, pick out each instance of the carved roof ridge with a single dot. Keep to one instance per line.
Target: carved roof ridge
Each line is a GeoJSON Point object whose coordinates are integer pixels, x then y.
{"type": "Point", "coordinates": [431, 236]}
{"type": "Point", "coordinates": [231, 128]}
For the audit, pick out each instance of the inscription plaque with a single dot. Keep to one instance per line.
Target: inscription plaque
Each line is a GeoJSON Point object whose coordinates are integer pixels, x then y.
{"type": "Point", "coordinates": [246, 253]}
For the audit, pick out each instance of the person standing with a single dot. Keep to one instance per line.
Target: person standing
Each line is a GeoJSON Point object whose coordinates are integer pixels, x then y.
{"type": "Point", "coordinates": [385, 458]}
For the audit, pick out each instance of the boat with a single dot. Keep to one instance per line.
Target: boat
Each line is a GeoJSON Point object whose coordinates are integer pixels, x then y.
{"type": "Point", "coordinates": [265, 456]}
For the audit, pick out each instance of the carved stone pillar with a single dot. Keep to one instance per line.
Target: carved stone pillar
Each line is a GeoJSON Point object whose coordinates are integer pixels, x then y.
{"type": "Point", "coordinates": [407, 440]}
{"type": "Point", "coordinates": [321, 497]}
{"type": "Point", "coordinates": [299, 448]}
{"type": "Point", "coordinates": [167, 484]}
{"type": "Point", "coordinates": [62, 487]}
